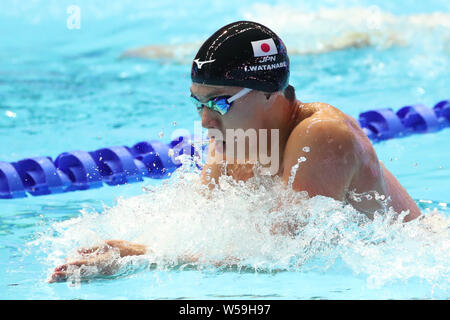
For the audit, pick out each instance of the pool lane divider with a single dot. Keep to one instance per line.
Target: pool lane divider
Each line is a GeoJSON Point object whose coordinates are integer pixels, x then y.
{"type": "Point", "coordinates": [383, 124]}
{"type": "Point", "coordinates": [81, 170]}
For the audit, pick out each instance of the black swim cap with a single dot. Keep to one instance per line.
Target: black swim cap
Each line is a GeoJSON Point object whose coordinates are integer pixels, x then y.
{"type": "Point", "coordinates": [243, 54]}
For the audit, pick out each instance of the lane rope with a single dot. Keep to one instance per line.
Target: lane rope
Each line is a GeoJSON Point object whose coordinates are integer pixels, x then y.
{"type": "Point", "coordinates": [81, 170]}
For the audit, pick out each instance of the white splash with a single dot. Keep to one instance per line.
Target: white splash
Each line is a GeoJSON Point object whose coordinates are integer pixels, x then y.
{"type": "Point", "coordinates": [294, 170]}
{"type": "Point", "coordinates": [327, 29]}
{"type": "Point", "coordinates": [260, 224]}
{"type": "Point", "coordinates": [330, 29]}
{"type": "Point", "coordinates": [10, 114]}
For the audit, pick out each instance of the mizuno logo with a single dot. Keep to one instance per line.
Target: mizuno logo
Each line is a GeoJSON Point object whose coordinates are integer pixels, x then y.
{"type": "Point", "coordinates": [201, 63]}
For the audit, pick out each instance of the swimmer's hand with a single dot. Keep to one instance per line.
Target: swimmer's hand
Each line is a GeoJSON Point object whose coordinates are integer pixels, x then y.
{"type": "Point", "coordinates": [102, 259]}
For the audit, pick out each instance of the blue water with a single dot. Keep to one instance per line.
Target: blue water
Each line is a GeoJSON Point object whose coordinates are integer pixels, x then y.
{"type": "Point", "coordinates": [64, 90]}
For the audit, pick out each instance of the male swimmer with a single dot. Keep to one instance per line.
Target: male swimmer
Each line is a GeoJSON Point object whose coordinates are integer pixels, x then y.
{"type": "Point", "coordinates": [240, 80]}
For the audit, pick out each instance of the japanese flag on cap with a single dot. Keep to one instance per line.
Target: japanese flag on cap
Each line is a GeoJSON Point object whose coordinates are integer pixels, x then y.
{"type": "Point", "coordinates": [264, 47]}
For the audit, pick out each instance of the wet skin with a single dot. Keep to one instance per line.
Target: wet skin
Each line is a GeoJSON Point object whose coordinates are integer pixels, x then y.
{"type": "Point", "coordinates": [340, 159]}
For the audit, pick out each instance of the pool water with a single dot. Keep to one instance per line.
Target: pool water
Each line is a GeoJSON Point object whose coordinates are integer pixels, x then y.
{"type": "Point", "coordinates": [67, 89]}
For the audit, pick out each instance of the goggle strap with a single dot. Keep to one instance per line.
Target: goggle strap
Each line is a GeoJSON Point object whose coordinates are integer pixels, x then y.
{"type": "Point", "coordinates": [239, 94]}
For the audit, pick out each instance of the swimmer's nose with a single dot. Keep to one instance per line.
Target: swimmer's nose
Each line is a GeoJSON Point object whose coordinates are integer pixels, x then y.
{"type": "Point", "coordinates": [210, 119]}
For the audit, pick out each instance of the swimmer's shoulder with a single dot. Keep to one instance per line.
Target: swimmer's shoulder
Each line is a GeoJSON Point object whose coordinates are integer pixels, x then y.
{"type": "Point", "coordinates": [319, 118]}
{"type": "Point", "coordinates": [327, 146]}
{"type": "Point", "coordinates": [324, 129]}
{"type": "Point", "coordinates": [328, 132]}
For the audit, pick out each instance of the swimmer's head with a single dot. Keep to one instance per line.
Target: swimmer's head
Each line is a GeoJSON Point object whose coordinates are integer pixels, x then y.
{"type": "Point", "coordinates": [243, 54]}
{"type": "Point", "coordinates": [240, 80]}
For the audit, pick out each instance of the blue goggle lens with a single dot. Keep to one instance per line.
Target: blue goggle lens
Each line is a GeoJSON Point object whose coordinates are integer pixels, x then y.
{"type": "Point", "coordinates": [219, 104]}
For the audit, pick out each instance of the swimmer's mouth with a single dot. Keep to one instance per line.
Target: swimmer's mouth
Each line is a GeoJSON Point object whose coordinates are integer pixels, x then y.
{"type": "Point", "coordinates": [220, 145]}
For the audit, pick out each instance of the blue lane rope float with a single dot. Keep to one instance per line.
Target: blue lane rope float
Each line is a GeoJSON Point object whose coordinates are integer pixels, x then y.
{"type": "Point", "coordinates": [81, 170]}
{"type": "Point", "coordinates": [385, 124]}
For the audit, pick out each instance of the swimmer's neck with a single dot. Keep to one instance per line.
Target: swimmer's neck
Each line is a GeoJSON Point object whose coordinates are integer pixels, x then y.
{"type": "Point", "coordinates": [291, 113]}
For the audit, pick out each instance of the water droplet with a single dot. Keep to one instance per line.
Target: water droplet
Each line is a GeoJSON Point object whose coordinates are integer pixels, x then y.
{"type": "Point", "coordinates": [10, 114]}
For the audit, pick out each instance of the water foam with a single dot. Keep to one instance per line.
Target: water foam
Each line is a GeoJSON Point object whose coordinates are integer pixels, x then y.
{"type": "Point", "coordinates": [260, 225]}
{"type": "Point", "coordinates": [330, 29]}
{"type": "Point", "coordinates": [327, 30]}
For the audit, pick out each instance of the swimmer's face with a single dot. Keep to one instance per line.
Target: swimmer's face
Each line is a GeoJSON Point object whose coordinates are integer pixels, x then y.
{"type": "Point", "coordinates": [247, 112]}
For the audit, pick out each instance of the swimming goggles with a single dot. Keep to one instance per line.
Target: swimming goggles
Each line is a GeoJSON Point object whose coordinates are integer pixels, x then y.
{"type": "Point", "coordinates": [220, 104]}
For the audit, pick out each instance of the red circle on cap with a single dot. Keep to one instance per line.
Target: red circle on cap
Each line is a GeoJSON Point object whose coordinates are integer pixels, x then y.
{"type": "Point", "coordinates": [265, 47]}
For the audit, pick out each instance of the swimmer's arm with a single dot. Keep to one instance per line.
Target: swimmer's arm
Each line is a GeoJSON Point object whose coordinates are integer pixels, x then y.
{"type": "Point", "coordinates": [330, 163]}
{"type": "Point", "coordinates": [105, 259]}
{"type": "Point", "coordinates": [127, 248]}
